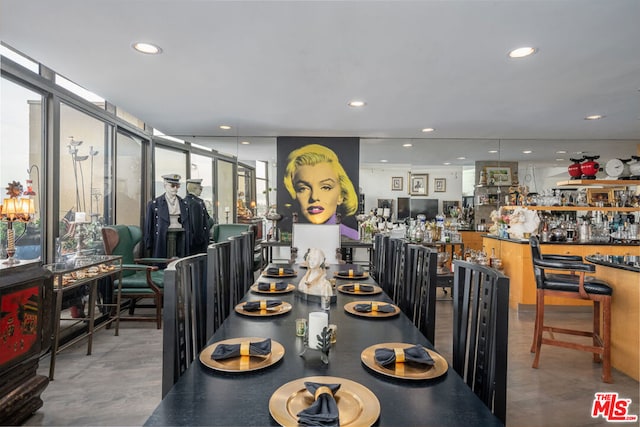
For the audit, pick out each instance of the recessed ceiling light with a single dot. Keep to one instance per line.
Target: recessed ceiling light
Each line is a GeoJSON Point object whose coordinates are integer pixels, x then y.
{"type": "Point", "coordinates": [522, 52]}
{"type": "Point", "coordinates": [527, 152]}
{"type": "Point", "coordinates": [407, 145]}
{"type": "Point", "coordinates": [461, 158]}
{"type": "Point", "coordinates": [425, 130]}
{"type": "Point", "coordinates": [493, 151]}
{"type": "Point", "coordinates": [245, 142]}
{"type": "Point", "coordinates": [561, 152]}
{"type": "Point", "coordinates": [147, 48]}
{"type": "Point", "coordinates": [594, 117]}
{"type": "Point", "coordinates": [225, 127]}
{"type": "Point", "coordinates": [384, 161]}
{"type": "Point", "coordinates": [559, 160]}
{"type": "Point", "coordinates": [357, 103]}
{"type": "Point", "coordinates": [446, 163]}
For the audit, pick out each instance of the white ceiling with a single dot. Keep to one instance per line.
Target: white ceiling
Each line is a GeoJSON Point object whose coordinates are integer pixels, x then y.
{"type": "Point", "coordinates": [289, 68]}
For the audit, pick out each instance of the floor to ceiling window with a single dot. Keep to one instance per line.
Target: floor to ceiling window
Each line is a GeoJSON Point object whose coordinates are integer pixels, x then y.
{"type": "Point", "coordinates": [21, 160]}
{"type": "Point", "coordinates": [128, 185]}
{"type": "Point", "coordinates": [84, 186]}
{"type": "Point", "coordinates": [226, 196]}
{"type": "Point", "coordinates": [169, 161]}
{"type": "Point", "coordinates": [202, 168]}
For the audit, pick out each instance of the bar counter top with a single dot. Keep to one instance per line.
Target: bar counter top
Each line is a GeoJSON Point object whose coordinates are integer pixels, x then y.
{"type": "Point", "coordinates": [526, 242]}
{"type": "Point", "coordinates": [623, 262]}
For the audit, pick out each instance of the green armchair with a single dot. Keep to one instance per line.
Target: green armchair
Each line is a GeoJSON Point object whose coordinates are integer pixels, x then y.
{"type": "Point", "coordinates": [141, 277]}
{"type": "Point", "coordinates": [222, 232]}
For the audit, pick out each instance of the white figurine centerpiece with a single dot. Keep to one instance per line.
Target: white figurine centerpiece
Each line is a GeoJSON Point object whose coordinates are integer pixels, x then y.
{"type": "Point", "coordinates": [523, 220]}
{"type": "Point", "coordinates": [315, 281]}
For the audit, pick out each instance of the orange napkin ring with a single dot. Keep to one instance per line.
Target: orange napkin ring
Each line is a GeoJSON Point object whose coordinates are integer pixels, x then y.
{"type": "Point", "coordinates": [356, 287]}
{"type": "Point", "coordinates": [322, 390]}
{"type": "Point", "coordinates": [374, 306]}
{"type": "Point", "coordinates": [399, 355]}
{"type": "Point", "coordinates": [263, 304]}
{"type": "Point", "coordinates": [244, 348]}
{"type": "Point", "coordinates": [280, 271]}
{"type": "Point", "coordinates": [272, 286]}
{"type": "Point", "coordinates": [350, 273]}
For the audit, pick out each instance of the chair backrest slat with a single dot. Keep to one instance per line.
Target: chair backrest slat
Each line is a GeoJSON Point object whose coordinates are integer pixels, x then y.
{"type": "Point", "coordinates": [480, 332]}
{"type": "Point", "coordinates": [219, 284]}
{"type": "Point", "coordinates": [379, 259]}
{"type": "Point", "coordinates": [422, 265]}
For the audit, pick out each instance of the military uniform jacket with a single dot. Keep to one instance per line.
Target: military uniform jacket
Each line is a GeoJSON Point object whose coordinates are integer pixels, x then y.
{"type": "Point", "coordinates": [200, 224]}
{"type": "Point", "coordinates": [156, 227]}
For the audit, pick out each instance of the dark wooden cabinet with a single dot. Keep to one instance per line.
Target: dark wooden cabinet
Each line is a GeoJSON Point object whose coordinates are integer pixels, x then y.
{"type": "Point", "coordinates": [26, 302]}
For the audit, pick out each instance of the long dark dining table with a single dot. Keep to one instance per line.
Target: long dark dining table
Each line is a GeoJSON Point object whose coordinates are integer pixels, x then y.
{"type": "Point", "coordinates": [203, 396]}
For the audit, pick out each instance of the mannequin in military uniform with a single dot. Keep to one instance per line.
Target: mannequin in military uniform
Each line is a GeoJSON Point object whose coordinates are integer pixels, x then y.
{"type": "Point", "coordinates": [166, 214]}
{"type": "Point", "coordinates": [199, 218]}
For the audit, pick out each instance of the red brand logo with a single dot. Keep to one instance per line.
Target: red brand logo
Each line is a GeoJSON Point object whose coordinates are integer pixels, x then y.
{"type": "Point", "coordinates": [612, 408]}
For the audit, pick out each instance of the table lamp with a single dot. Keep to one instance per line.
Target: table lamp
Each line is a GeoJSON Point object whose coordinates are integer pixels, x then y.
{"type": "Point", "coordinates": [15, 209]}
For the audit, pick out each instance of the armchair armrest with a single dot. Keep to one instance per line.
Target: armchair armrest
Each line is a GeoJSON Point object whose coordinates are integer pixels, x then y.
{"type": "Point", "coordinates": [557, 257]}
{"type": "Point", "coordinates": [154, 260]}
{"type": "Point", "coordinates": [565, 265]}
{"type": "Point", "coordinates": [139, 267]}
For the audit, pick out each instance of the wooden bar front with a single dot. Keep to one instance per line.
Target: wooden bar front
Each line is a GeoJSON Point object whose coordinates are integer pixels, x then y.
{"type": "Point", "coordinates": [625, 303]}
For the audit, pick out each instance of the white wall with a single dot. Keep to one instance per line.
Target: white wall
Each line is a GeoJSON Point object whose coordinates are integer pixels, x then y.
{"type": "Point", "coordinates": [375, 182]}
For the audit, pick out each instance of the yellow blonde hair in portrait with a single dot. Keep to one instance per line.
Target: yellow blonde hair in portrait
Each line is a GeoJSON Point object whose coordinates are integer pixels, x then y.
{"type": "Point", "coordinates": [311, 155]}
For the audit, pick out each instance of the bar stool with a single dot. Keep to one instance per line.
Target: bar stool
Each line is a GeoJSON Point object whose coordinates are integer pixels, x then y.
{"type": "Point", "coordinates": [572, 285]}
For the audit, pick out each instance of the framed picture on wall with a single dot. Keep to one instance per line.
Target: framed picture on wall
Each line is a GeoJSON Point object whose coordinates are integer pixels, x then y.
{"type": "Point", "coordinates": [418, 184]}
{"type": "Point", "coordinates": [439, 185]}
{"type": "Point", "coordinates": [498, 175]}
{"type": "Point", "coordinates": [396, 183]}
{"type": "Point", "coordinates": [447, 205]}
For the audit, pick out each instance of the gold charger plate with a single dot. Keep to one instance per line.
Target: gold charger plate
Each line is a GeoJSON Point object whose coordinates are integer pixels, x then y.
{"type": "Point", "coordinates": [406, 371]}
{"type": "Point", "coordinates": [280, 309]}
{"type": "Point", "coordinates": [242, 363]}
{"type": "Point", "coordinates": [337, 274]}
{"type": "Point", "coordinates": [357, 405]}
{"type": "Point", "coordinates": [376, 290]}
{"type": "Point", "coordinates": [290, 287]}
{"type": "Point", "coordinates": [350, 308]}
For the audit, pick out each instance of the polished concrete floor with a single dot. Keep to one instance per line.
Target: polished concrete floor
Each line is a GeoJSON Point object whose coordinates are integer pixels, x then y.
{"type": "Point", "coordinates": [120, 383]}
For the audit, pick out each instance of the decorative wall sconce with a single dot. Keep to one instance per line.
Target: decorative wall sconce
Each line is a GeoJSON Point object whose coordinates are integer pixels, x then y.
{"type": "Point", "coordinates": [15, 209]}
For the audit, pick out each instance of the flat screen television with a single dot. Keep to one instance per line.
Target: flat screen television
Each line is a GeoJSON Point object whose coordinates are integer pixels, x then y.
{"type": "Point", "coordinates": [404, 208]}
{"type": "Point", "coordinates": [427, 207]}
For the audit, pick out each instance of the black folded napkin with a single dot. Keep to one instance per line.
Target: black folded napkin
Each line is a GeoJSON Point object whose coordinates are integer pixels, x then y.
{"type": "Point", "coordinates": [351, 273]}
{"type": "Point", "coordinates": [415, 354]}
{"type": "Point", "coordinates": [258, 305]}
{"type": "Point", "coordinates": [227, 351]}
{"type": "Point", "coordinates": [280, 270]}
{"type": "Point", "coordinates": [356, 287]}
{"type": "Point", "coordinates": [367, 308]}
{"type": "Point", "coordinates": [324, 411]}
{"type": "Point", "coordinates": [272, 286]}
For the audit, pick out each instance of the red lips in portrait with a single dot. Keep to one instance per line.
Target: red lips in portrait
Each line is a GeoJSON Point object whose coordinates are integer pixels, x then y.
{"type": "Point", "coordinates": [314, 210]}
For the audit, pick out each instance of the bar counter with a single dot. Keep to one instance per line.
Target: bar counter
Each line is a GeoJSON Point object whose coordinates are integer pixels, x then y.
{"type": "Point", "coordinates": [611, 267]}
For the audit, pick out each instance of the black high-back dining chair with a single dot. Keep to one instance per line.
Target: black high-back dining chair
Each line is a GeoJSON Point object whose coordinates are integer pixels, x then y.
{"type": "Point", "coordinates": [379, 258]}
{"type": "Point", "coordinates": [480, 332]}
{"type": "Point", "coordinates": [218, 280]}
{"type": "Point", "coordinates": [185, 316]}
{"type": "Point", "coordinates": [393, 272]}
{"type": "Point", "coordinates": [398, 269]}
{"type": "Point", "coordinates": [421, 282]}
{"type": "Point", "coordinates": [241, 266]}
